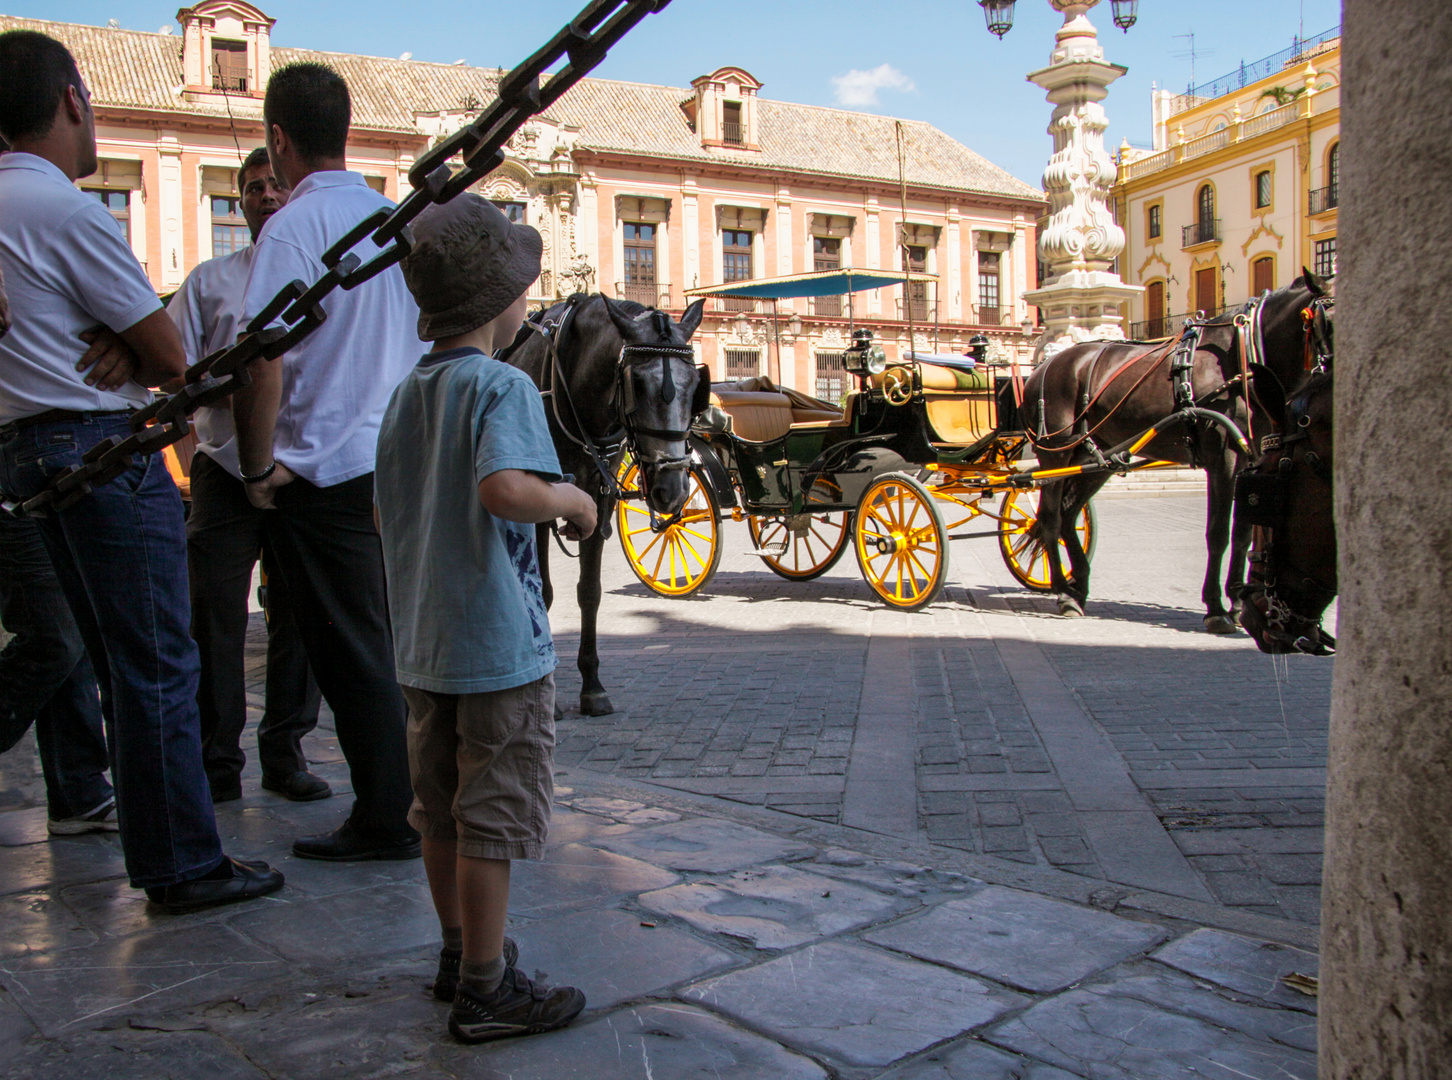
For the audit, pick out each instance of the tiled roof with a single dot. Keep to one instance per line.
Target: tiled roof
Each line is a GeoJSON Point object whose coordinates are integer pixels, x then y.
{"type": "Point", "coordinates": [142, 70]}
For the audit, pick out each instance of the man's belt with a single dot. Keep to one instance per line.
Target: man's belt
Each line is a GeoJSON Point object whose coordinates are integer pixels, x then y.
{"type": "Point", "coordinates": [60, 416]}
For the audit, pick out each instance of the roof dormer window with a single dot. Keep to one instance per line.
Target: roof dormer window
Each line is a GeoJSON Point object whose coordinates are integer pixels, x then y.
{"type": "Point", "coordinates": [723, 112]}
{"type": "Point", "coordinates": [732, 133]}
{"type": "Point", "coordinates": [229, 66]}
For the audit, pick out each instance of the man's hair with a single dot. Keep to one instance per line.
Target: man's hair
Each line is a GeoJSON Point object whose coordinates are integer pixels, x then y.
{"type": "Point", "coordinates": [34, 73]}
{"type": "Point", "coordinates": [257, 158]}
{"type": "Point", "coordinates": [310, 102]}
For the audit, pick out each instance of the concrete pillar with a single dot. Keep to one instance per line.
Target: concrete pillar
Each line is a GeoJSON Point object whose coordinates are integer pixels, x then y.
{"type": "Point", "coordinates": [1386, 990]}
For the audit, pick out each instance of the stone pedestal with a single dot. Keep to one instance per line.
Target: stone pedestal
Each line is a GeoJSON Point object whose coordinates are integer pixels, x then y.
{"type": "Point", "coordinates": [1386, 973]}
{"type": "Point", "coordinates": [1081, 298]}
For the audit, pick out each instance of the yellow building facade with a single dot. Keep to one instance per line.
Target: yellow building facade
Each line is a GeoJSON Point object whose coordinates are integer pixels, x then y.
{"type": "Point", "coordinates": [1239, 191]}
{"type": "Point", "coordinates": [640, 191]}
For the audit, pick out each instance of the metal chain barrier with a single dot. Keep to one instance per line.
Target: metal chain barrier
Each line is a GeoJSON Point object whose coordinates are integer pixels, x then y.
{"type": "Point", "coordinates": [585, 41]}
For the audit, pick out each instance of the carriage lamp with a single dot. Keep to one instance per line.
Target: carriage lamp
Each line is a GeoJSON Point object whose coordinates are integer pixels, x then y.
{"type": "Point", "coordinates": [999, 14]}
{"type": "Point", "coordinates": [1126, 13]}
{"type": "Point", "coordinates": [863, 357]}
{"type": "Point", "coordinates": [978, 348]}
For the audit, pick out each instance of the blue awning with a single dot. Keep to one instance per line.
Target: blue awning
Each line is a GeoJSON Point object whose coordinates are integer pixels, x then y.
{"type": "Point", "coordinates": [821, 283]}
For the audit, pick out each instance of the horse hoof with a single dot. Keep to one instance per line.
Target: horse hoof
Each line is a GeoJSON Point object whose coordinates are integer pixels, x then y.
{"type": "Point", "coordinates": [1220, 624]}
{"type": "Point", "coordinates": [1070, 608]}
{"type": "Point", "coordinates": [596, 703]}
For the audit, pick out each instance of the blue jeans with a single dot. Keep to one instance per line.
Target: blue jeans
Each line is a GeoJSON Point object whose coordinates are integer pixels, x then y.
{"type": "Point", "coordinates": [46, 677]}
{"type": "Point", "coordinates": [120, 555]}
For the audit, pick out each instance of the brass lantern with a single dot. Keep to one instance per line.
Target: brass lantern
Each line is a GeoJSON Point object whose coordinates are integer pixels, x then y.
{"type": "Point", "coordinates": [999, 14]}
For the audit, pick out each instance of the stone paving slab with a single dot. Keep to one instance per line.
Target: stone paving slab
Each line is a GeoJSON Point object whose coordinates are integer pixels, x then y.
{"type": "Point", "coordinates": [1252, 967]}
{"type": "Point", "coordinates": [974, 1060]}
{"type": "Point", "coordinates": [375, 921]}
{"type": "Point", "coordinates": [1106, 1037]}
{"type": "Point", "coordinates": [137, 1056]}
{"type": "Point", "coordinates": [774, 907]}
{"type": "Point", "coordinates": [1020, 939]}
{"type": "Point", "coordinates": [613, 956]}
{"type": "Point", "coordinates": [575, 876]}
{"type": "Point", "coordinates": [39, 924]}
{"type": "Point", "coordinates": [60, 862]}
{"type": "Point", "coordinates": [711, 847]}
{"type": "Point", "coordinates": [860, 1007]}
{"type": "Point", "coordinates": [663, 1042]}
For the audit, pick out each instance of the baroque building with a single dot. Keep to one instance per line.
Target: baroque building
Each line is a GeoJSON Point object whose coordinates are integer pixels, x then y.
{"type": "Point", "coordinates": [639, 191]}
{"type": "Point", "coordinates": [1240, 189]}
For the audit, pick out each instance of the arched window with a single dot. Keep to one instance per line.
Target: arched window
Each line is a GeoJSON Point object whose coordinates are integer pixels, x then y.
{"type": "Point", "coordinates": [1203, 231]}
{"type": "Point", "coordinates": [1205, 203]}
{"type": "Point", "coordinates": [1333, 167]}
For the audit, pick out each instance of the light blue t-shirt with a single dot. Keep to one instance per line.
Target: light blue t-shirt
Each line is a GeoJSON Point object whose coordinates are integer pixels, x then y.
{"type": "Point", "coordinates": [464, 587]}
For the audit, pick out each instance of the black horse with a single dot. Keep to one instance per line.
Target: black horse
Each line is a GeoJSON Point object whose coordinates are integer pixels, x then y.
{"type": "Point", "coordinates": [1092, 397]}
{"type": "Point", "coordinates": [618, 378]}
{"type": "Point", "coordinates": [1287, 500]}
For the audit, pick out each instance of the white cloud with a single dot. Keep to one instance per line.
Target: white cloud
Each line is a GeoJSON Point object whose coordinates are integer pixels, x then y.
{"type": "Point", "coordinates": [861, 87]}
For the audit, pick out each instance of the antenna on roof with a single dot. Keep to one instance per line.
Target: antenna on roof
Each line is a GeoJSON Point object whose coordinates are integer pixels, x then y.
{"type": "Point", "coordinates": [460, 62]}
{"type": "Point", "coordinates": [165, 31]}
{"type": "Point", "coordinates": [405, 56]}
{"type": "Point", "coordinates": [113, 24]}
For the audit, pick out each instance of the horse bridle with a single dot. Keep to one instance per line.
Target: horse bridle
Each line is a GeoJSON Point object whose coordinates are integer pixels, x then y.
{"type": "Point", "coordinates": [1275, 586]}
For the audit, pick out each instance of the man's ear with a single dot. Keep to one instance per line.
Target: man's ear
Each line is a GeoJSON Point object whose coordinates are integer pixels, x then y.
{"type": "Point", "coordinates": [73, 104]}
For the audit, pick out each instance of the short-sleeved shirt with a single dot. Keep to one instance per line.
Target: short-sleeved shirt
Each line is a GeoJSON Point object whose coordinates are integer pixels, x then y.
{"type": "Point", "coordinates": [464, 587]}
{"type": "Point", "coordinates": [336, 381]}
{"type": "Point", "coordinates": [67, 269]}
{"type": "Point", "coordinates": [205, 310]}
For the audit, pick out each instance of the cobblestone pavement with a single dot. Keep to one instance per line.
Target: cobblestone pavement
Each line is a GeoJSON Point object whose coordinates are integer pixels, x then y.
{"type": "Point", "coordinates": [817, 839]}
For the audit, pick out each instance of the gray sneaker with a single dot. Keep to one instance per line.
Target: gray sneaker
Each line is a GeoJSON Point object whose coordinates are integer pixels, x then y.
{"type": "Point", "coordinates": [447, 979]}
{"type": "Point", "coordinates": [100, 819]}
{"type": "Point", "coordinates": [518, 1007]}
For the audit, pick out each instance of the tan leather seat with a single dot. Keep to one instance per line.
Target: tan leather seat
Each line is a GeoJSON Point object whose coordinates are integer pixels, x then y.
{"type": "Point", "coordinates": [962, 418]}
{"type": "Point", "coordinates": [756, 416]}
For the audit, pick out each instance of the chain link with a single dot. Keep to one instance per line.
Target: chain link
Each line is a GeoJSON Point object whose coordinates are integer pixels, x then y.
{"type": "Point", "coordinates": [585, 40]}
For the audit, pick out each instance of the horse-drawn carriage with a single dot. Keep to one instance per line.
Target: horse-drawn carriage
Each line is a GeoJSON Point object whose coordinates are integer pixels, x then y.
{"type": "Point", "coordinates": [921, 447]}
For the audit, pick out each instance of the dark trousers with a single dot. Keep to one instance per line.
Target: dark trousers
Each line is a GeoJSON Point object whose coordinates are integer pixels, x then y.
{"type": "Point", "coordinates": [120, 556]}
{"type": "Point", "coordinates": [329, 556]}
{"type": "Point", "coordinates": [46, 677]}
{"type": "Point", "coordinates": [224, 537]}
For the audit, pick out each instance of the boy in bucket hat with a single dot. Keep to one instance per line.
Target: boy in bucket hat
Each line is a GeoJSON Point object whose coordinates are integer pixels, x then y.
{"type": "Point", "coordinates": [465, 470]}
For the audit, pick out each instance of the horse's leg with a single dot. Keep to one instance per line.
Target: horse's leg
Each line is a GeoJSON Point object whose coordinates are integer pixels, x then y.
{"type": "Point", "coordinates": [1047, 528]}
{"type": "Point", "coordinates": [593, 699]}
{"type": "Point", "coordinates": [1239, 546]}
{"type": "Point", "coordinates": [1220, 498]}
{"type": "Point", "coordinates": [1077, 494]}
{"type": "Point", "coordinates": [542, 551]}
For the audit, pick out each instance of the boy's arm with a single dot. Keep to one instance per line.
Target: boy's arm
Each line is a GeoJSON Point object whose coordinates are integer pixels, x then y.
{"type": "Point", "coordinates": [516, 495]}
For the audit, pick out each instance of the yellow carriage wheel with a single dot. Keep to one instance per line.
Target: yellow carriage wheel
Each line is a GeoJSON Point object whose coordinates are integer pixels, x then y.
{"type": "Point", "coordinates": [901, 543]}
{"type": "Point", "coordinates": [1023, 550]}
{"type": "Point", "coordinates": [810, 551]}
{"type": "Point", "coordinates": [683, 556]}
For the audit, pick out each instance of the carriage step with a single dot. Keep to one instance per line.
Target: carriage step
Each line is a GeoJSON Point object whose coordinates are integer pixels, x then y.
{"type": "Point", "coordinates": [774, 551]}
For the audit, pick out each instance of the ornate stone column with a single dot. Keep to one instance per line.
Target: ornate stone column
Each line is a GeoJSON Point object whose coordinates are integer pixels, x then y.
{"type": "Point", "coordinates": [1081, 299]}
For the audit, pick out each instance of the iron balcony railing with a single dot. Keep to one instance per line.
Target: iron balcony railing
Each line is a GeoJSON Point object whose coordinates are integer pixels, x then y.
{"type": "Point", "coordinates": [1246, 74]}
{"type": "Point", "coordinates": [651, 294]}
{"type": "Point", "coordinates": [731, 132]}
{"type": "Point", "coordinates": [831, 307]}
{"type": "Point", "coordinates": [732, 305]}
{"type": "Point", "coordinates": [1201, 232]}
{"type": "Point", "coordinates": [1326, 198]}
{"type": "Point", "coordinates": [921, 310]}
{"type": "Point", "coordinates": [1165, 326]}
{"type": "Point", "coordinates": [990, 316]}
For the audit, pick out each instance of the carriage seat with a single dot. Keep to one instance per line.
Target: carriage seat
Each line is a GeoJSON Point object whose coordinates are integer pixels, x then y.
{"type": "Point", "coordinates": [760, 411]}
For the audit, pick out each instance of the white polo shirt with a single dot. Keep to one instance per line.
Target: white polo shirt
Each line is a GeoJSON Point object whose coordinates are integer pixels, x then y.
{"type": "Point", "coordinates": [205, 309]}
{"type": "Point", "coordinates": [67, 269]}
{"type": "Point", "coordinates": [336, 383]}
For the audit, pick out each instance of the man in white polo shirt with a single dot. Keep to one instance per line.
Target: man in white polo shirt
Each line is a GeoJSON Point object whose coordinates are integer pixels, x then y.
{"type": "Point", "coordinates": [119, 551]}
{"type": "Point", "coordinates": [224, 538]}
{"type": "Point", "coordinates": [307, 433]}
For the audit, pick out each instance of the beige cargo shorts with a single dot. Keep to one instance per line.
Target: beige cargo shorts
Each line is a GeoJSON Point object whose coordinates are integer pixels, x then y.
{"type": "Point", "coordinates": [482, 768]}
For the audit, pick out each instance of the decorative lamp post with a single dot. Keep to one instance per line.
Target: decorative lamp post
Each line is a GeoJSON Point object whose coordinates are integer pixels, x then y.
{"type": "Point", "coordinates": [1081, 298]}
{"type": "Point", "coordinates": [999, 14]}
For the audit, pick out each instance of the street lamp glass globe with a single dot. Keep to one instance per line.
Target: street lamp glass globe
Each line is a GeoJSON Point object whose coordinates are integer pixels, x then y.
{"type": "Point", "coordinates": [1126, 13]}
{"type": "Point", "coordinates": [999, 14]}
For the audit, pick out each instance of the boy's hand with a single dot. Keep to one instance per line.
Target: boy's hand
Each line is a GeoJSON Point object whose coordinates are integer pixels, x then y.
{"type": "Point", "coordinates": [580, 522]}
{"type": "Point", "coordinates": [111, 361]}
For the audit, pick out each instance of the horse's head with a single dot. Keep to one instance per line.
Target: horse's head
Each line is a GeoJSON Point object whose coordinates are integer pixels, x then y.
{"type": "Point", "coordinates": [1287, 498]}
{"type": "Point", "coordinates": [661, 390]}
{"type": "Point", "coordinates": [1296, 329]}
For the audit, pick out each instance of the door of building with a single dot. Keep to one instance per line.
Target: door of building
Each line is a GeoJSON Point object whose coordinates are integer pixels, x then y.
{"type": "Point", "coordinates": [1206, 299]}
{"type": "Point", "coordinates": [1154, 302]}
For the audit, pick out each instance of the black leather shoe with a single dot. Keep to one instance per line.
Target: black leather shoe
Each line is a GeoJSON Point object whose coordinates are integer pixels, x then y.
{"type": "Point", "coordinates": [301, 786]}
{"type": "Point", "coordinates": [347, 844]}
{"type": "Point", "coordinates": [249, 880]}
{"type": "Point", "coordinates": [226, 792]}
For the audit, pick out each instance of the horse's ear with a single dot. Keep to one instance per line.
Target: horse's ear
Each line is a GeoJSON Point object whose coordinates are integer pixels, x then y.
{"type": "Point", "coordinates": [1315, 284]}
{"type": "Point", "coordinates": [692, 318]}
{"type": "Point", "coordinates": [626, 324]}
{"type": "Point", "coordinates": [1268, 393]}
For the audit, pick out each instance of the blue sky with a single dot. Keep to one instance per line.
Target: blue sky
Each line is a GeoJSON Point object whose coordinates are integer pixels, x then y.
{"type": "Point", "coordinates": [930, 60]}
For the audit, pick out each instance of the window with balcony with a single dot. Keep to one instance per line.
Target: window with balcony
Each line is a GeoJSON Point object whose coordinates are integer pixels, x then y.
{"type": "Point", "coordinates": [1325, 257]}
{"type": "Point", "coordinates": [1156, 221]}
{"type": "Point", "coordinates": [229, 227]}
{"type": "Point", "coordinates": [119, 203]}
{"type": "Point", "coordinates": [1262, 275]}
{"type": "Point", "coordinates": [640, 282]}
{"type": "Point", "coordinates": [1262, 189]}
{"type": "Point", "coordinates": [736, 265]}
{"type": "Point", "coordinates": [514, 211]}
{"type": "Point", "coordinates": [831, 377]}
{"type": "Point", "coordinates": [1206, 227]}
{"type": "Point", "coordinates": [229, 66]}
{"type": "Point", "coordinates": [732, 131]}
{"type": "Point", "coordinates": [988, 264]}
{"type": "Point", "coordinates": [743, 363]}
{"type": "Point", "coordinates": [917, 291]}
{"type": "Point", "coordinates": [1329, 197]}
{"type": "Point", "coordinates": [826, 255]}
